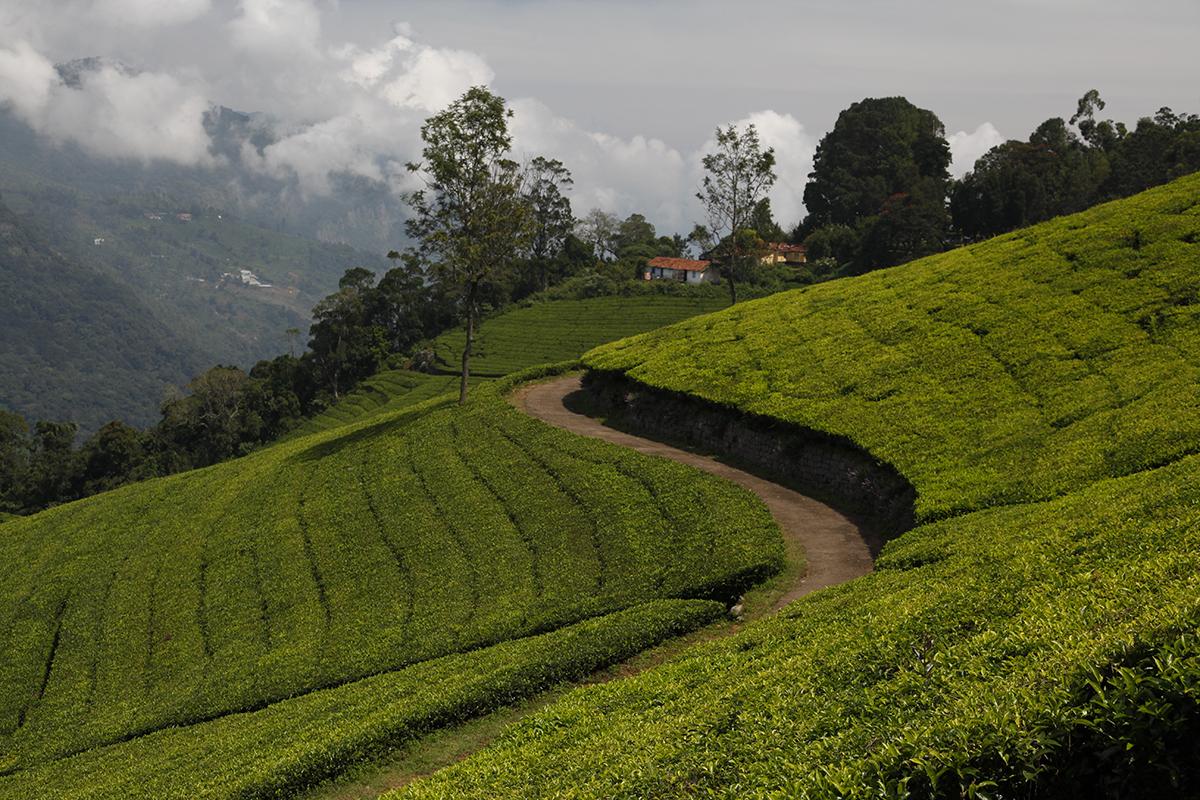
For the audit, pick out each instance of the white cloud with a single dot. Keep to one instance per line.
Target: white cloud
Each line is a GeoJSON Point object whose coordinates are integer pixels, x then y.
{"type": "Point", "coordinates": [26, 80]}
{"type": "Point", "coordinates": [283, 29]}
{"type": "Point", "coordinates": [150, 13]}
{"type": "Point", "coordinates": [113, 112]}
{"type": "Point", "coordinates": [794, 151]}
{"type": "Point", "coordinates": [432, 79]}
{"type": "Point", "coordinates": [623, 92]}
{"type": "Point", "coordinates": [966, 148]}
{"type": "Point", "coordinates": [144, 116]}
{"type": "Point", "coordinates": [621, 176]}
{"type": "Point", "coordinates": [646, 176]}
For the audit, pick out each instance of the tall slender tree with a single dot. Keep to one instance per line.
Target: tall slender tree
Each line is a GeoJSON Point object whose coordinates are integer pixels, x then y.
{"type": "Point", "coordinates": [471, 218]}
{"type": "Point", "coordinates": [550, 214]}
{"type": "Point", "coordinates": [599, 229]}
{"type": "Point", "coordinates": [740, 173]}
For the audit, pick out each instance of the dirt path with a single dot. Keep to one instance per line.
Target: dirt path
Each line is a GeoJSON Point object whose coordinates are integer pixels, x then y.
{"type": "Point", "coordinates": [837, 548]}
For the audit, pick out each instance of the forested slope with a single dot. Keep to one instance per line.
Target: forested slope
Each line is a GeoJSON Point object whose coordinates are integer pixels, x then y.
{"type": "Point", "coordinates": [76, 345]}
{"type": "Point", "coordinates": [1035, 634]}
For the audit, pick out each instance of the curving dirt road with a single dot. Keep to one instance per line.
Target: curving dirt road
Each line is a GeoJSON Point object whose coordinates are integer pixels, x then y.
{"type": "Point", "coordinates": [836, 547]}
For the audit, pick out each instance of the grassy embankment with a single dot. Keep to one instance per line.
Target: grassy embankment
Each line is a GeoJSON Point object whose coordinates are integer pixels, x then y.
{"type": "Point", "coordinates": [1035, 634]}
{"type": "Point", "coordinates": [261, 624]}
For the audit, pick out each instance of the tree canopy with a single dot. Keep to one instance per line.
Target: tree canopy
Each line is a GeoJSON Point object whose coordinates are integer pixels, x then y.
{"type": "Point", "coordinates": [738, 176]}
{"type": "Point", "coordinates": [1068, 166]}
{"type": "Point", "coordinates": [471, 218]}
{"type": "Point", "coordinates": [878, 147]}
{"type": "Point", "coordinates": [884, 158]}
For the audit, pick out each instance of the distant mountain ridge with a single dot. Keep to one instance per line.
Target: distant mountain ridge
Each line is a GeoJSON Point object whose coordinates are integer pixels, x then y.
{"type": "Point", "coordinates": [177, 240]}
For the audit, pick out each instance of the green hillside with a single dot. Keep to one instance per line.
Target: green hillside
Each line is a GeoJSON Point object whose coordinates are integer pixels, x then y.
{"type": "Point", "coordinates": [243, 630]}
{"type": "Point", "coordinates": [1035, 634]}
{"type": "Point", "coordinates": [230, 607]}
{"type": "Point", "coordinates": [548, 333]}
{"type": "Point", "coordinates": [1018, 369]}
{"type": "Point", "coordinates": [563, 330]}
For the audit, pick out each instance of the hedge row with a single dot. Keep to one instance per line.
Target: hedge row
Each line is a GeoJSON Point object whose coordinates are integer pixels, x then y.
{"type": "Point", "coordinates": [1044, 649]}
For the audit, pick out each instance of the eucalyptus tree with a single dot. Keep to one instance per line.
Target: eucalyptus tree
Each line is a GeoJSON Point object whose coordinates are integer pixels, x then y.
{"type": "Point", "coordinates": [551, 221]}
{"type": "Point", "coordinates": [472, 217]}
{"type": "Point", "coordinates": [740, 173]}
{"type": "Point", "coordinates": [600, 230]}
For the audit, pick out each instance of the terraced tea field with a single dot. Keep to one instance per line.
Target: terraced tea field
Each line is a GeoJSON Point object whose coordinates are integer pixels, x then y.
{"type": "Point", "coordinates": [391, 390]}
{"type": "Point", "coordinates": [1033, 636]}
{"type": "Point", "coordinates": [215, 596]}
{"type": "Point", "coordinates": [563, 330]}
{"type": "Point", "coordinates": [1018, 369]}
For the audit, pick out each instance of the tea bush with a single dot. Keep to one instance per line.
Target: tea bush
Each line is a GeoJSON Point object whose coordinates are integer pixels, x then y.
{"type": "Point", "coordinates": [299, 741]}
{"type": "Point", "coordinates": [1018, 369]}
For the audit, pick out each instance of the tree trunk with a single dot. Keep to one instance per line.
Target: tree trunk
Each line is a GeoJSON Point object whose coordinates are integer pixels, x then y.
{"type": "Point", "coordinates": [732, 292]}
{"type": "Point", "coordinates": [466, 359]}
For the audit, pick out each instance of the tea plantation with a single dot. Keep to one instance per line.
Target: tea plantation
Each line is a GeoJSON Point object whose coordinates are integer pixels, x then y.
{"type": "Point", "coordinates": [564, 329]}
{"type": "Point", "coordinates": [548, 333]}
{"type": "Point", "coordinates": [1035, 635]}
{"type": "Point", "coordinates": [257, 625]}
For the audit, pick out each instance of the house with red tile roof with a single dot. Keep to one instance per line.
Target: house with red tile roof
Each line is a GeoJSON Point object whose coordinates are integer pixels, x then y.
{"type": "Point", "coordinates": [680, 269]}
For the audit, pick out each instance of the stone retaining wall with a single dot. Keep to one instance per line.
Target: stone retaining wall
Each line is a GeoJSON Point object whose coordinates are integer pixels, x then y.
{"type": "Point", "coordinates": [831, 466]}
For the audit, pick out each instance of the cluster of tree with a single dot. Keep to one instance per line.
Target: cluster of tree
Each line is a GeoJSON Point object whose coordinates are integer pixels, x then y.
{"type": "Point", "coordinates": [224, 413]}
{"type": "Point", "coordinates": [877, 194]}
{"type": "Point", "coordinates": [621, 249]}
{"type": "Point", "coordinates": [881, 194]}
{"type": "Point", "coordinates": [1069, 166]}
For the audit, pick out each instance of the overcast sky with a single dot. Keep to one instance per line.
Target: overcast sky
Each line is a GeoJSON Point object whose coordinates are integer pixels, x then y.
{"type": "Point", "coordinates": [626, 93]}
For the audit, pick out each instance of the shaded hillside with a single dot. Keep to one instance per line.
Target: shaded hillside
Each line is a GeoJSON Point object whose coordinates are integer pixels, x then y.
{"type": "Point", "coordinates": [76, 345]}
